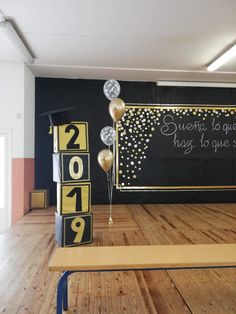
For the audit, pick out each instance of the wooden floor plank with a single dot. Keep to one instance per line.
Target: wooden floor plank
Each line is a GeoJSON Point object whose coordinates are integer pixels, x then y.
{"type": "Point", "coordinates": [25, 249]}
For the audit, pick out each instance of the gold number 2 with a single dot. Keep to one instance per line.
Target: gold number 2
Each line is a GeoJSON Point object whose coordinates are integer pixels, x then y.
{"type": "Point", "coordinates": [78, 229]}
{"type": "Point", "coordinates": [76, 175]}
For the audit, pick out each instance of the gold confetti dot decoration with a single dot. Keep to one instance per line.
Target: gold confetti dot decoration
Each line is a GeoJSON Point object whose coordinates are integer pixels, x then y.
{"type": "Point", "coordinates": [136, 129]}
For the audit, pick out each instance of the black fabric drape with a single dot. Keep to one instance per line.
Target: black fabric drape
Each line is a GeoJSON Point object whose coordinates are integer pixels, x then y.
{"type": "Point", "coordinates": [91, 105]}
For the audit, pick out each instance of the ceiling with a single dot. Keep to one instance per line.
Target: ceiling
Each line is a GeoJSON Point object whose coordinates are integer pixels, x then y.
{"type": "Point", "coordinates": [146, 40]}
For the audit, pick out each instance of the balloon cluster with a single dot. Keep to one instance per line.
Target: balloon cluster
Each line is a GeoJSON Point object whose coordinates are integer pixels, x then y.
{"type": "Point", "coordinates": [111, 90]}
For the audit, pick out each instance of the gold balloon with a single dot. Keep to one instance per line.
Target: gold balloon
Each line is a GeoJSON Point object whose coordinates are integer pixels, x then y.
{"type": "Point", "coordinates": [117, 109]}
{"type": "Point", "coordinates": [105, 159]}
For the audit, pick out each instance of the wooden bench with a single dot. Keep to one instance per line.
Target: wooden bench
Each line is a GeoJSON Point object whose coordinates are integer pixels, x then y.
{"type": "Point", "coordinates": [124, 258]}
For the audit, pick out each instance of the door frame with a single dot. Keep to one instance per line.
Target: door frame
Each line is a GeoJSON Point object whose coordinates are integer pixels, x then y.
{"type": "Point", "coordinates": [7, 133]}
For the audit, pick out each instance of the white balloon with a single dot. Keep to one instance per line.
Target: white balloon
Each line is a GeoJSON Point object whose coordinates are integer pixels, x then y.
{"type": "Point", "coordinates": [111, 89]}
{"type": "Point", "coordinates": [108, 135]}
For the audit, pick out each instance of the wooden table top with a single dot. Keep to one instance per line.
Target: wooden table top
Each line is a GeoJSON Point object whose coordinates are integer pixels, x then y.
{"type": "Point", "coordinates": [143, 257]}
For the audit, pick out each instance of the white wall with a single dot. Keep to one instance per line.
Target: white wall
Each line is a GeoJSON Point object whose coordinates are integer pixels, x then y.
{"type": "Point", "coordinates": [17, 105]}
{"type": "Point", "coordinates": [12, 104]}
{"type": "Point", "coordinates": [29, 112]}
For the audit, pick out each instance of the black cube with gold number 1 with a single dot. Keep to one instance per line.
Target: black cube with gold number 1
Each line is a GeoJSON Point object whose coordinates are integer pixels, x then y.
{"type": "Point", "coordinates": [74, 198]}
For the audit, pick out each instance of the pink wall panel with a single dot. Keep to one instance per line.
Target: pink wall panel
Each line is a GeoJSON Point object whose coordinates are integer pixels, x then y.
{"type": "Point", "coordinates": [28, 181]}
{"type": "Point", "coordinates": [22, 184]}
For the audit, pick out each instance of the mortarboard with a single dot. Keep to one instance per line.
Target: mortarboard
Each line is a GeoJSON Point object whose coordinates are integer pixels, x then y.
{"type": "Point", "coordinates": [58, 116]}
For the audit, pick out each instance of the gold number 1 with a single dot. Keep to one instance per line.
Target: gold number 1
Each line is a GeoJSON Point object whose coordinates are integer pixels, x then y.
{"type": "Point", "coordinates": [78, 229]}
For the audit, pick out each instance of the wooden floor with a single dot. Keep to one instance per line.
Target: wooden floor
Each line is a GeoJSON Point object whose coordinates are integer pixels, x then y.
{"type": "Point", "coordinates": [27, 287]}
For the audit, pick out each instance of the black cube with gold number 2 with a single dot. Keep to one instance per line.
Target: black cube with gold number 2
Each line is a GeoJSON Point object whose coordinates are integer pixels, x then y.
{"type": "Point", "coordinates": [71, 172]}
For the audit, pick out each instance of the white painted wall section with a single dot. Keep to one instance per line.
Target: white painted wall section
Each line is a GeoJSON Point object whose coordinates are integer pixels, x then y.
{"type": "Point", "coordinates": [12, 103]}
{"type": "Point", "coordinates": [17, 106]}
{"type": "Point", "coordinates": [29, 112]}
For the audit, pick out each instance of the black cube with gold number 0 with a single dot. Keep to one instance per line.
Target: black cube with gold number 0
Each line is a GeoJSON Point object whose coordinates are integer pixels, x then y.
{"type": "Point", "coordinates": [71, 167]}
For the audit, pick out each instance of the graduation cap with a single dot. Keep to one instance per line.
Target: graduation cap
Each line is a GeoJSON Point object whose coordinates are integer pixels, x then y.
{"type": "Point", "coordinates": [58, 116]}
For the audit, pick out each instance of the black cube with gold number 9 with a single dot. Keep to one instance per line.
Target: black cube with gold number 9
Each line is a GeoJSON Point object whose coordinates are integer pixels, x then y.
{"type": "Point", "coordinates": [71, 171]}
{"type": "Point", "coordinates": [73, 230]}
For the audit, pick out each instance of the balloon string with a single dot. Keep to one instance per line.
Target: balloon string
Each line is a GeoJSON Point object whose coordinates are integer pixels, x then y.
{"type": "Point", "coordinates": [111, 191]}
{"type": "Point", "coordinates": [114, 156]}
{"type": "Point", "coordinates": [111, 180]}
{"type": "Point", "coordinates": [112, 175]}
{"type": "Point", "coordinates": [109, 185]}
{"type": "Point", "coordinates": [110, 188]}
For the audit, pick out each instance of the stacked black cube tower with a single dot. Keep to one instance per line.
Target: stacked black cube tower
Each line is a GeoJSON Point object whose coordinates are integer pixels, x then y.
{"type": "Point", "coordinates": [71, 171]}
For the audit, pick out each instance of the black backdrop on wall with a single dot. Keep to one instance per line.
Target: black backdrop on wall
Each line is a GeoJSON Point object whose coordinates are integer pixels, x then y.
{"type": "Point", "coordinates": [91, 105]}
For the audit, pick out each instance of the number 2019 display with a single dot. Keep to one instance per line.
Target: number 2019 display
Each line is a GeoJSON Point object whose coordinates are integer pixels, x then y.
{"type": "Point", "coordinates": [71, 171]}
